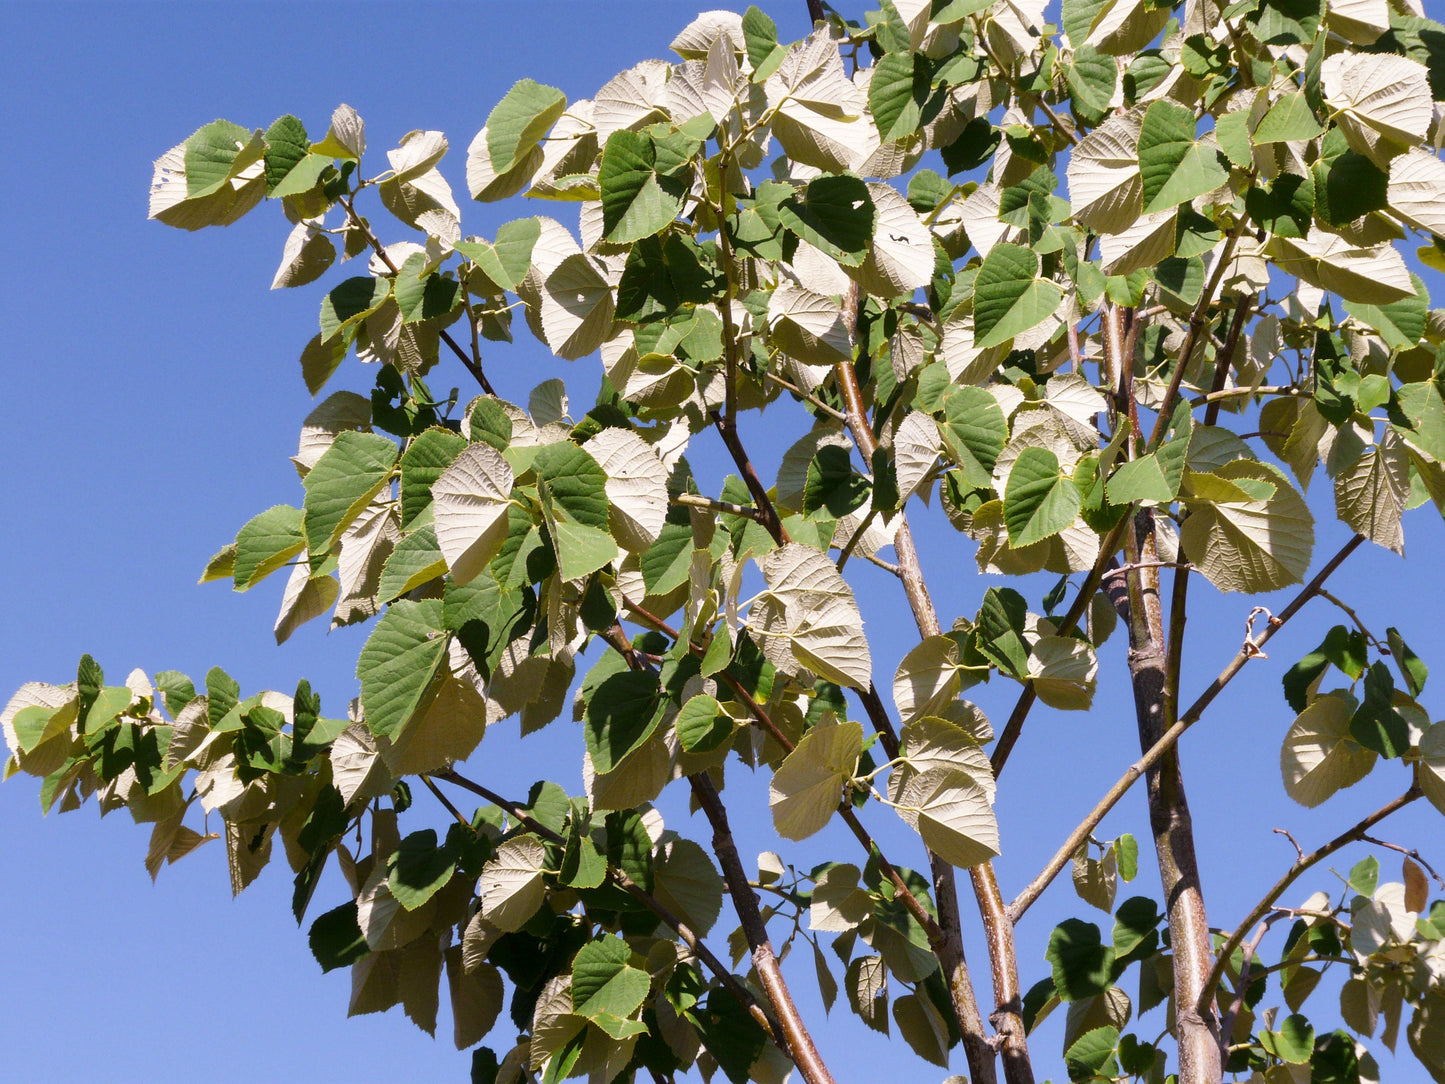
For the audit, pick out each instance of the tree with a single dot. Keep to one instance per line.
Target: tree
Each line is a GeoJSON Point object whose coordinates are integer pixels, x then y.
{"type": "Point", "coordinates": [1056, 371]}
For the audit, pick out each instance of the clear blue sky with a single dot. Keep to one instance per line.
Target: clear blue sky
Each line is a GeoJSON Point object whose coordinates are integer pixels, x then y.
{"type": "Point", "coordinates": [155, 397]}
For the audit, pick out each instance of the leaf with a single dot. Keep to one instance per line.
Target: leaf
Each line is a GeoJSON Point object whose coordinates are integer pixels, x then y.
{"type": "Point", "coordinates": [1105, 187]}
{"type": "Point", "coordinates": [636, 487]}
{"type": "Point", "coordinates": [1293, 1042]}
{"type": "Point", "coordinates": [643, 185]}
{"type": "Point", "coordinates": [576, 307]}
{"type": "Point", "coordinates": [1174, 164]}
{"type": "Point", "coordinates": [506, 260]}
{"type": "Point", "coordinates": [265, 543]}
{"type": "Point", "coordinates": [808, 785]}
{"type": "Point", "coordinates": [927, 679]}
{"type": "Point", "coordinates": [1370, 495]}
{"type": "Point", "coordinates": [1385, 94]}
{"type": "Point", "coordinates": [867, 986]}
{"type": "Point", "coordinates": [621, 715]}
{"type": "Point", "coordinates": [1155, 477]}
{"type": "Point", "coordinates": [1346, 648]}
{"type": "Point", "coordinates": [1320, 756]}
{"type": "Point", "coordinates": [1039, 499]}
{"type": "Point", "coordinates": [471, 499]}
{"type": "Point", "coordinates": [974, 432]}
{"type": "Point", "coordinates": [901, 257]}
{"type": "Point", "coordinates": [417, 559]}
{"type": "Point", "coordinates": [350, 302]}
{"type": "Point", "coordinates": [218, 152]}
{"type": "Point", "coordinates": [761, 35]}
{"type": "Point", "coordinates": [823, 623]}
{"type": "Point", "coordinates": [687, 883]}
{"type": "Point", "coordinates": [425, 460]}
{"type": "Point", "coordinates": [518, 122]}
{"type": "Point", "coordinates": [922, 1027]}
{"type": "Point", "coordinates": [1412, 667]}
{"type": "Point", "coordinates": [702, 725]}
{"type": "Point", "coordinates": [603, 981]}
{"type": "Point", "coordinates": [834, 214]}
{"type": "Point", "coordinates": [306, 597]}
{"type": "Point", "coordinates": [1260, 544]}
{"type": "Point", "coordinates": [1008, 297]}
{"type": "Point", "coordinates": [477, 998]}
{"type": "Point", "coordinates": [1081, 962]}
{"type": "Point", "coordinates": [1432, 765]}
{"type": "Point", "coordinates": [346, 138]}
{"type": "Point", "coordinates": [336, 939]}
{"type": "Point", "coordinates": [305, 257]}
{"type": "Point", "coordinates": [398, 662]}
{"type": "Point", "coordinates": [342, 483]}
{"type": "Point", "coordinates": [1401, 323]}
{"type": "Point", "coordinates": [952, 812]}
{"type": "Point", "coordinates": [1063, 671]}
{"type": "Point", "coordinates": [897, 93]}
{"type": "Point", "coordinates": [573, 488]}
{"type": "Point", "coordinates": [1289, 120]}
{"type": "Point", "coordinates": [1091, 1055]}
{"type": "Point", "coordinates": [510, 887]}
{"type": "Point", "coordinates": [419, 869]}
{"type": "Point", "coordinates": [1136, 919]}
{"type": "Point", "coordinates": [1416, 190]}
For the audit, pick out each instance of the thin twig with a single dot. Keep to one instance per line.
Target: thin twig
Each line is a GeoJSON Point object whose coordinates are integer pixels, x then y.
{"type": "Point", "coordinates": [1408, 852]}
{"type": "Point", "coordinates": [832, 412]}
{"type": "Point", "coordinates": [453, 810]}
{"type": "Point", "coordinates": [1065, 853]}
{"type": "Point", "coordinates": [692, 500]}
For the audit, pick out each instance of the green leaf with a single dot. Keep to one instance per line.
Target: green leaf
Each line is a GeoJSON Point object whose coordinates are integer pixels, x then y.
{"type": "Point", "coordinates": [351, 302]}
{"type": "Point", "coordinates": [1345, 648]}
{"type": "Point", "coordinates": [662, 275]}
{"type": "Point", "coordinates": [834, 213]}
{"type": "Point", "coordinates": [507, 259]}
{"type": "Point", "coordinates": [1259, 544]}
{"type": "Point", "coordinates": [265, 543]}
{"type": "Point", "coordinates": [1091, 1055]}
{"type": "Point", "coordinates": [974, 431]}
{"type": "Point", "coordinates": [583, 865]}
{"type": "Point", "coordinates": [1347, 185]}
{"type": "Point", "coordinates": [217, 152]}
{"type": "Point", "coordinates": [1412, 667]}
{"type": "Point", "coordinates": [1174, 164]}
{"type": "Point", "coordinates": [1402, 323]}
{"type": "Point", "coordinates": [423, 296]}
{"type": "Point", "coordinates": [897, 94]}
{"type": "Point", "coordinates": [1288, 120]}
{"type": "Point", "coordinates": [1136, 918]}
{"type": "Point", "coordinates": [419, 869]}
{"type": "Point", "coordinates": [832, 484]}
{"type": "Point", "coordinates": [604, 982]}
{"type": "Point", "coordinates": [1293, 1042]}
{"type": "Point", "coordinates": [1365, 875]}
{"type": "Point", "coordinates": [1008, 297]}
{"type": "Point", "coordinates": [760, 34]}
{"type": "Point", "coordinates": [344, 480]}
{"type": "Point", "coordinates": [1091, 80]}
{"type": "Point", "coordinates": [397, 664]}
{"type": "Point", "coordinates": [1039, 500]}
{"type": "Point", "coordinates": [336, 939]}
{"type": "Point", "coordinates": [417, 559]}
{"type": "Point", "coordinates": [643, 186]}
{"type": "Point", "coordinates": [574, 496]}
{"type": "Point", "coordinates": [1285, 206]}
{"type": "Point", "coordinates": [303, 177]}
{"type": "Point", "coordinates": [429, 454]}
{"type": "Point", "coordinates": [1081, 962]}
{"type": "Point", "coordinates": [702, 725]}
{"type": "Point", "coordinates": [1000, 623]}
{"type": "Point", "coordinates": [1157, 476]}
{"type": "Point", "coordinates": [622, 714]}
{"type": "Point", "coordinates": [286, 146]}
{"type": "Point", "coordinates": [1127, 848]}
{"type": "Point", "coordinates": [518, 122]}
{"type": "Point", "coordinates": [1376, 724]}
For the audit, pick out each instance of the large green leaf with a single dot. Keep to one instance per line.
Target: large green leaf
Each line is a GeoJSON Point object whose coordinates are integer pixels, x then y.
{"type": "Point", "coordinates": [345, 478]}
{"type": "Point", "coordinates": [1175, 165]}
{"type": "Point", "coordinates": [265, 543]}
{"type": "Point", "coordinates": [974, 432]}
{"type": "Point", "coordinates": [1082, 963]}
{"type": "Point", "coordinates": [834, 213]}
{"type": "Point", "coordinates": [573, 487]}
{"type": "Point", "coordinates": [418, 868]}
{"type": "Point", "coordinates": [351, 302]}
{"type": "Point", "coordinates": [1290, 119]}
{"type": "Point", "coordinates": [398, 662]}
{"type": "Point", "coordinates": [1040, 500]}
{"type": "Point", "coordinates": [622, 714]}
{"type": "Point", "coordinates": [643, 185]}
{"type": "Point", "coordinates": [1157, 476]}
{"type": "Point", "coordinates": [897, 93]}
{"type": "Point", "coordinates": [520, 120]}
{"type": "Point", "coordinates": [218, 152]}
{"type": "Point", "coordinates": [1008, 297]}
{"type": "Point", "coordinates": [603, 980]}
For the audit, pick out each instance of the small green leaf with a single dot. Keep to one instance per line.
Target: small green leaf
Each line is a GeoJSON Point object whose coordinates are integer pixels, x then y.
{"type": "Point", "coordinates": [506, 260]}
{"type": "Point", "coordinates": [336, 939]}
{"type": "Point", "coordinates": [643, 185]}
{"type": "Point", "coordinates": [426, 457]}
{"type": "Point", "coordinates": [897, 94]}
{"type": "Point", "coordinates": [351, 302]}
{"type": "Point", "coordinates": [1365, 875]}
{"type": "Point", "coordinates": [1091, 1055]}
{"type": "Point", "coordinates": [974, 432]}
{"type": "Point", "coordinates": [1136, 918]}
{"type": "Point", "coordinates": [621, 715]}
{"type": "Point", "coordinates": [832, 485]}
{"type": "Point", "coordinates": [1290, 119]}
{"type": "Point", "coordinates": [419, 868]}
{"type": "Point", "coordinates": [760, 34]}
{"type": "Point", "coordinates": [265, 543]}
{"type": "Point", "coordinates": [217, 152]}
{"type": "Point", "coordinates": [1412, 667]}
{"type": "Point", "coordinates": [702, 725]}
{"type": "Point", "coordinates": [1293, 1042]}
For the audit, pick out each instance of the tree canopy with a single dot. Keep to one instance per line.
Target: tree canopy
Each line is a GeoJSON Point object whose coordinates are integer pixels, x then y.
{"type": "Point", "coordinates": [1099, 294]}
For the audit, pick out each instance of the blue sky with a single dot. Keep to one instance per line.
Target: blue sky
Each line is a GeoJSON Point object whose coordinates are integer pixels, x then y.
{"type": "Point", "coordinates": [155, 398]}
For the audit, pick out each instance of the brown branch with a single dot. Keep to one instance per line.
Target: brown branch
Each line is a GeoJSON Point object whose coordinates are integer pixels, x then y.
{"type": "Point", "coordinates": [692, 500]}
{"type": "Point", "coordinates": [1025, 899]}
{"type": "Point", "coordinates": [1409, 852]}
{"type": "Point", "coordinates": [1296, 870]}
{"type": "Point", "coordinates": [767, 511]}
{"type": "Point", "coordinates": [799, 1043]}
{"type": "Point", "coordinates": [445, 801]}
{"type": "Point", "coordinates": [473, 367]}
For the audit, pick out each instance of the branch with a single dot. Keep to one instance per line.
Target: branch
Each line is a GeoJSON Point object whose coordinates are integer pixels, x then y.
{"type": "Point", "coordinates": [473, 367]}
{"type": "Point", "coordinates": [767, 511]}
{"type": "Point", "coordinates": [1025, 899]}
{"type": "Point", "coordinates": [692, 500]}
{"type": "Point", "coordinates": [687, 935]}
{"type": "Point", "coordinates": [799, 1043]}
{"type": "Point", "coordinates": [1299, 866]}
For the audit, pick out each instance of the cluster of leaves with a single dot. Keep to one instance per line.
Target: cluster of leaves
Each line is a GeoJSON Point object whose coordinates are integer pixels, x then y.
{"type": "Point", "coordinates": [1206, 160]}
